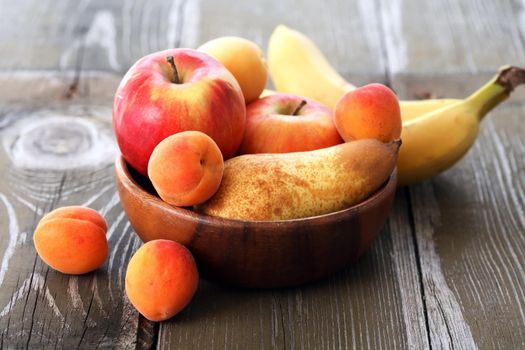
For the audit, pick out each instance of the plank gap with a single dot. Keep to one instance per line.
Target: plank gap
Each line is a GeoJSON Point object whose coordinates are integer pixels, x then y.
{"type": "Point", "coordinates": [147, 334]}
{"type": "Point", "coordinates": [406, 193]}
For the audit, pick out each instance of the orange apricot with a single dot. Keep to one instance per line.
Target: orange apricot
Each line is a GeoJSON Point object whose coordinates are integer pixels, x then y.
{"type": "Point", "coordinates": [186, 168]}
{"type": "Point", "coordinates": [244, 59]}
{"type": "Point", "coordinates": [72, 240]}
{"type": "Point", "coordinates": [161, 279]}
{"type": "Point", "coordinates": [371, 111]}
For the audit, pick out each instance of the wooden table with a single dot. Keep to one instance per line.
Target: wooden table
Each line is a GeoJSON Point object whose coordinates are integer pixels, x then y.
{"type": "Point", "coordinates": [447, 271]}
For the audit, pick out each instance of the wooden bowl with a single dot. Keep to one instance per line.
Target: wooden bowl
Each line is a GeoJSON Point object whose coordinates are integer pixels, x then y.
{"type": "Point", "coordinates": [257, 253]}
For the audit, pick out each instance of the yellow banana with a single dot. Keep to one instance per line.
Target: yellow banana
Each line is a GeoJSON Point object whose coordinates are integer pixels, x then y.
{"type": "Point", "coordinates": [298, 66]}
{"type": "Point", "coordinates": [417, 108]}
{"type": "Point", "coordinates": [436, 133]}
{"type": "Point", "coordinates": [410, 109]}
{"type": "Point", "coordinates": [435, 141]}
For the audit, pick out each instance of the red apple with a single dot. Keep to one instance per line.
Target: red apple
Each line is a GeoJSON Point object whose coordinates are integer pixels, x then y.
{"type": "Point", "coordinates": [172, 91]}
{"type": "Point", "coordinates": [282, 123]}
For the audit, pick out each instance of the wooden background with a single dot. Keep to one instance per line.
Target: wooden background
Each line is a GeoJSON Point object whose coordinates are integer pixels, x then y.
{"type": "Point", "coordinates": [447, 271]}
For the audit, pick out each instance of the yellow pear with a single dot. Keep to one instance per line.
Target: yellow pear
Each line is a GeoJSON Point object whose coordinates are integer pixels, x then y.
{"type": "Point", "coordinates": [295, 185]}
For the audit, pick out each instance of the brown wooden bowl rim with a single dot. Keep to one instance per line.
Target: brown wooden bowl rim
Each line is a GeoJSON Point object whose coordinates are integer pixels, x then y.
{"type": "Point", "coordinates": [131, 185]}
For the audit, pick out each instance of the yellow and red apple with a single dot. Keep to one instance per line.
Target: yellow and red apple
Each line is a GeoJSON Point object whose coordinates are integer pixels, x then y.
{"type": "Point", "coordinates": [282, 123]}
{"type": "Point", "coordinates": [172, 91]}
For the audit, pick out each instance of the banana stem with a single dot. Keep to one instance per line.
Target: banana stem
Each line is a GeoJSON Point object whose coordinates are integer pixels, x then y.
{"type": "Point", "coordinates": [497, 90]}
{"type": "Point", "coordinates": [510, 78]}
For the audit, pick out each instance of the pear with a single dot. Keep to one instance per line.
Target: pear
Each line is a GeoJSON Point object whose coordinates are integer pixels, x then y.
{"type": "Point", "coordinates": [295, 185]}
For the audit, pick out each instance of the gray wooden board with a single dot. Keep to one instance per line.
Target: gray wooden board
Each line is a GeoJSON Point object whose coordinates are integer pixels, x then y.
{"type": "Point", "coordinates": [448, 48]}
{"type": "Point", "coordinates": [468, 221]}
{"type": "Point", "coordinates": [101, 35]}
{"type": "Point", "coordinates": [446, 272]}
{"type": "Point", "coordinates": [470, 229]}
{"type": "Point", "coordinates": [439, 48]}
{"type": "Point", "coordinates": [39, 306]}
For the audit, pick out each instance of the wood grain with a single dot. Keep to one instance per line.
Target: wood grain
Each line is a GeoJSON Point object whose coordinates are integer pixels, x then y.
{"type": "Point", "coordinates": [41, 307]}
{"type": "Point", "coordinates": [449, 48]}
{"type": "Point", "coordinates": [102, 36]}
{"type": "Point", "coordinates": [446, 272]}
{"type": "Point", "coordinates": [360, 308]}
{"type": "Point", "coordinates": [469, 223]}
{"type": "Point", "coordinates": [347, 32]}
{"type": "Point", "coordinates": [408, 273]}
{"type": "Point", "coordinates": [467, 278]}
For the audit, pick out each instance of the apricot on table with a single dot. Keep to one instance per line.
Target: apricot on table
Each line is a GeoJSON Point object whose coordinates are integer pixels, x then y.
{"type": "Point", "coordinates": [161, 279]}
{"type": "Point", "coordinates": [369, 112]}
{"type": "Point", "coordinates": [72, 239]}
{"type": "Point", "coordinates": [244, 59]}
{"type": "Point", "coordinates": [186, 168]}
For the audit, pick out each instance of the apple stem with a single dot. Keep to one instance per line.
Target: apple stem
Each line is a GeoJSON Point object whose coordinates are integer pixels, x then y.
{"type": "Point", "coordinates": [301, 105]}
{"type": "Point", "coordinates": [174, 67]}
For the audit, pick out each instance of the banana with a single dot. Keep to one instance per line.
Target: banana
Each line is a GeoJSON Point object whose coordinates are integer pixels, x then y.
{"type": "Point", "coordinates": [436, 133]}
{"type": "Point", "coordinates": [416, 108]}
{"type": "Point", "coordinates": [298, 66]}
{"type": "Point", "coordinates": [435, 141]}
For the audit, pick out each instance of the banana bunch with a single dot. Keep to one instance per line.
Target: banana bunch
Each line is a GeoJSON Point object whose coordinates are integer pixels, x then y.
{"type": "Point", "coordinates": [436, 133]}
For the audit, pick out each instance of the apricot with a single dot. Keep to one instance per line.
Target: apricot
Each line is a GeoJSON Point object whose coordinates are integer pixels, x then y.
{"type": "Point", "coordinates": [186, 168]}
{"type": "Point", "coordinates": [244, 59]}
{"type": "Point", "coordinates": [72, 240]}
{"type": "Point", "coordinates": [161, 279]}
{"type": "Point", "coordinates": [369, 112]}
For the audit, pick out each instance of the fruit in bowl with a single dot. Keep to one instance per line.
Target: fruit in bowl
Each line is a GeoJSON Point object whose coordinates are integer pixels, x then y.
{"type": "Point", "coordinates": [299, 205]}
{"type": "Point", "coordinates": [172, 91]}
{"type": "Point", "coordinates": [371, 111]}
{"type": "Point", "coordinates": [284, 123]}
{"type": "Point", "coordinates": [244, 59]}
{"type": "Point", "coordinates": [301, 184]}
{"type": "Point", "coordinates": [261, 254]}
{"type": "Point", "coordinates": [186, 168]}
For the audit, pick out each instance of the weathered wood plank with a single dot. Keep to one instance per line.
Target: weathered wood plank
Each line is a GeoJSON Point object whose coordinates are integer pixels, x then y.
{"type": "Point", "coordinates": [98, 35]}
{"type": "Point", "coordinates": [47, 88]}
{"type": "Point", "coordinates": [44, 162]}
{"type": "Point", "coordinates": [94, 34]}
{"type": "Point", "coordinates": [348, 32]}
{"type": "Point", "coordinates": [442, 48]}
{"type": "Point", "coordinates": [448, 48]}
{"type": "Point", "coordinates": [468, 285]}
{"type": "Point", "coordinates": [449, 58]}
{"type": "Point", "coordinates": [469, 225]}
{"type": "Point", "coordinates": [408, 273]}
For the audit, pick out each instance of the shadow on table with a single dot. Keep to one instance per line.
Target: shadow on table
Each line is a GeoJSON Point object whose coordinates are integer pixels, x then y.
{"type": "Point", "coordinates": [214, 301]}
